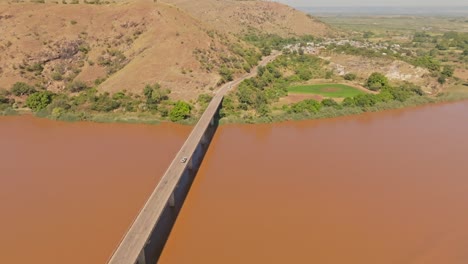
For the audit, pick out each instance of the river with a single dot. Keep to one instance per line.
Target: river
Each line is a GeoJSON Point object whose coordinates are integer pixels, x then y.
{"type": "Point", "coordinates": [69, 191]}
{"type": "Point", "coordinates": [388, 187]}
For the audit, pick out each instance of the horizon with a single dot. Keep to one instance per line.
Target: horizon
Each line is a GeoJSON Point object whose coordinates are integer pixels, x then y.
{"type": "Point", "coordinates": [378, 3]}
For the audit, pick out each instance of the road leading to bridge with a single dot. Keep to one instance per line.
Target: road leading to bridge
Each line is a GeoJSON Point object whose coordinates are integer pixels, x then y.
{"type": "Point", "coordinates": [132, 247]}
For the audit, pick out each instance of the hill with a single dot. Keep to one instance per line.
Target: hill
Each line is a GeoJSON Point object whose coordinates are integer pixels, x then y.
{"type": "Point", "coordinates": [117, 46]}
{"type": "Point", "coordinates": [237, 16]}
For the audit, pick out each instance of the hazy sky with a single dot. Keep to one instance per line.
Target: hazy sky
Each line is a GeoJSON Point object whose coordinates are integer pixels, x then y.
{"type": "Point", "coordinates": [445, 3]}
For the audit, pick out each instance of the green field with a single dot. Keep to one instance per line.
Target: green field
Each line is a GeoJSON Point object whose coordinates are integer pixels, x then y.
{"type": "Point", "coordinates": [327, 90]}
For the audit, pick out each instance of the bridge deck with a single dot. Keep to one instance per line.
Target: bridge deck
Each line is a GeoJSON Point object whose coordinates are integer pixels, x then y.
{"type": "Point", "coordinates": [138, 234]}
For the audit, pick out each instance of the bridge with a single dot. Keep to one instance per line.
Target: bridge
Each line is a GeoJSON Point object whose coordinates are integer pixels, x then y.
{"type": "Point", "coordinates": [146, 237]}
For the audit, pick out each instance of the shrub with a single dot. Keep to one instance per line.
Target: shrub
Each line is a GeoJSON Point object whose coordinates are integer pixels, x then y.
{"type": "Point", "coordinates": [4, 100]}
{"type": "Point", "coordinates": [104, 103]}
{"type": "Point", "coordinates": [447, 71]}
{"type": "Point", "coordinates": [309, 105]}
{"type": "Point", "coordinates": [348, 102]}
{"type": "Point", "coordinates": [155, 95]}
{"type": "Point", "coordinates": [329, 103]}
{"type": "Point", "coordinates": [427, 62]}
{"type": "Point", "coordinates": [204, 99]}
{"type": "Point", "coordinates": [57, 76]}
{"type": "Point", "coordinates": [442, 79]}
{"type": "Point", "coordinates": [226, 74]}
{"type": "Point", "coordinates": [60, 101]}
{"type": "Point", "coordinates": [76, 86]}
{"type": "Point", "coordinates": [36, 67]}
{"type": "Point", "coordinates": [350, 77]}
{"type": "Point", "coordinates": [376, 81]}
{"type": "Point", "coordinates": [365, 100]}
{"type": "Point", "coordinates": [21, 88]}
{"type": "Point", "coordinates": [38, 101]}
{"type": "Point", "coordinates": [180, 111]}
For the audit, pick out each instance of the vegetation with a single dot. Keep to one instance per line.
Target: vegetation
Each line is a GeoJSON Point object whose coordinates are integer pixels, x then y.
{"type": "Point", "coordinates": [21, 88]}
{"type": "Point", "coordinates": [350, 76]}
{"type": "Point", "coordinates": [155, 95]}
{"type": "Point", "coordinates": [39, 100]}
{"type": "Point", "coordinates": [76, 86]}
{"type": "Point", "coordinates": [376, 82]}
{"type": "Point", "coordinates": [270, 84]}
{"type": "Point", "coordinates": [79, 102]}
{"type": "Point", "coordinates": [5, 102]}
{"type": "Point", "coordinates": [268, 42]}
{"type": "Point", "coordinates": [181, 111]}
{"type": "Point", "coordinates": [256, 99]}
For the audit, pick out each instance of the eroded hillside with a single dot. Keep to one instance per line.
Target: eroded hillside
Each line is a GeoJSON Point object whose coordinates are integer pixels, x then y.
{"type": "Point", "coordinates": [125, 45]}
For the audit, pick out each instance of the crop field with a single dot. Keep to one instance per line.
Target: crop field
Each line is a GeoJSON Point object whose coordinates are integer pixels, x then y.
{"type": "Point", "coordinates": [326, 90]}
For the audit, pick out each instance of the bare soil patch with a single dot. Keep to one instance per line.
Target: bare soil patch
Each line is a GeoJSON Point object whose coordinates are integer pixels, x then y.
{"type": "Point", "coordinates": [295, 98]}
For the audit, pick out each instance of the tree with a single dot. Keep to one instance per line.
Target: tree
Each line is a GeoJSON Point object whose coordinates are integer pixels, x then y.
{"type": "Point", "coordinates": [21, 88]}
{"type": "Point", "coordinates": [376, 81]}
{"type": "Point", "coordinates": [38, 101]}
{"type": "Point", "coordinates": [180, 111]}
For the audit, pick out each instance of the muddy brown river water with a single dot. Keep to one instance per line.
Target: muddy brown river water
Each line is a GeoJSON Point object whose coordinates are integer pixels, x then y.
{"type": "Point", "coordinates": [69, 191]}
{"type": "Point", "coordinates": [380, 188]}
{"type": "Point", "coordinates": [385, 188]}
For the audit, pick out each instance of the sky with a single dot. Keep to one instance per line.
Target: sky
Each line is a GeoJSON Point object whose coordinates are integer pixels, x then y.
{"type": "Point", "coordinates": [425, 3]}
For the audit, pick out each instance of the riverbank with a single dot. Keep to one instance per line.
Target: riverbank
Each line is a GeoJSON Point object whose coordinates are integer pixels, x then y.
{"type": "Point", "coordinates": [276, 116]}
{"type": "Point", "coordinates": [332, 112]}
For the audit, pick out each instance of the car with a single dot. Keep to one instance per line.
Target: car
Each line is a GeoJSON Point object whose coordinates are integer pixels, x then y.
{"type": "Point", "coordinates": [183, 160]}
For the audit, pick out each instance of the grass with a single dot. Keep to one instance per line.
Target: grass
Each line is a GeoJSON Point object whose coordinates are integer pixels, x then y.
{"type": "Point", "coordinates": [327, 90]}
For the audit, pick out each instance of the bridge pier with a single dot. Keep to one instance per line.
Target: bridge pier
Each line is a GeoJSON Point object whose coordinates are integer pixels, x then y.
{"type": "Point", "coordinates": [172, 200]}
{"type": "Point", "coordinates": [141, 258]}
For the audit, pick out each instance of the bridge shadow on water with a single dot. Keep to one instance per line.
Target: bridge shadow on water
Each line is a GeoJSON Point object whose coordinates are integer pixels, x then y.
{"type": "Point", "coordinates": [162, 229]}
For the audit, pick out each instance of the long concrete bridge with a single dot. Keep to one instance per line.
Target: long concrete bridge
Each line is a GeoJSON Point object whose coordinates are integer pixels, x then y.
{"type": "Point", "coordinates": [146, 237]}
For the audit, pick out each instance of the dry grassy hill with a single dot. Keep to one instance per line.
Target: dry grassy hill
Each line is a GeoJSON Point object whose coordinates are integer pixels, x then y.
{"type": "Point", "coordinates": [126, 45]}
{"type": "Point", "coordinates": [238, 15]}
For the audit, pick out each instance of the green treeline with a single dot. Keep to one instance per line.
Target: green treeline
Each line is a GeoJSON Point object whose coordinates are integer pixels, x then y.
{"type": "Point", "coordinates": [80, 102]}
